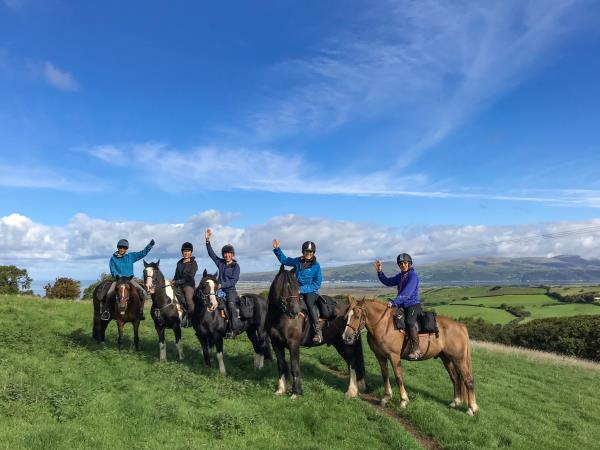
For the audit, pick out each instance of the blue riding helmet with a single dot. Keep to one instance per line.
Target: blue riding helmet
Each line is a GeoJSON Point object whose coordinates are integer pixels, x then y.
{"type": "Point", "coordinates": [123, 243]}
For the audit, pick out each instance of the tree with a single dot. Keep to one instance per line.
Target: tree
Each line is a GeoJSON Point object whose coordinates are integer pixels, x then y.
{"type": "Point", "coordinates": [88, 292]}
{"type": "Point", "coordinates": [63, 288]}
{"type": "Point", "coordinates": [13, 280]}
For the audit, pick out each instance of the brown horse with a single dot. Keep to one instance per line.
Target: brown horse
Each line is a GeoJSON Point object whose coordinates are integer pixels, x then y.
{"type": "Point", "coordinates": [451, 345]}
{"type": "Point", "coordinates": [125, 308]}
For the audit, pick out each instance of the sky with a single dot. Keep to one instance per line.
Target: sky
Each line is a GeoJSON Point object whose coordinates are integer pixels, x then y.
{"type": "Point", "coordinates": [442, 129]}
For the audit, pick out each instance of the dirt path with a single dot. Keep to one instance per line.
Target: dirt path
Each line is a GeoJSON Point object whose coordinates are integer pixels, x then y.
{"type": "Point", "coordinates": [425, 441]}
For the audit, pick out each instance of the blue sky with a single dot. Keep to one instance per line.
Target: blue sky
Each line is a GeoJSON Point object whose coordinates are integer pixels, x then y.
{"type": "Point", "coordinates": [371, 129]}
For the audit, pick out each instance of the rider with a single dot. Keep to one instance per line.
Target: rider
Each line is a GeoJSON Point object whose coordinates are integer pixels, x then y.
{"type": "Point", "coordinates": [184, 277]}
{"type": "Point", "coordinates": [407, 282]}
{"type": "Point", "coordinates": [121, 265]}
{"type": "Point", "coordinates": [308, 273]}
{"type": "Point", "coordinates": [229, 274]}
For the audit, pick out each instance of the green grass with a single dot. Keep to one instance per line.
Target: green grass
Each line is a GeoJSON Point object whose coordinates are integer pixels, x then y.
{"type": "Point", "coordinates": [451, 294]}
{"type": "Point", "coordinates": [574, 290]}
{"type": "Point", "coordinates": [562, 310]}
{"type": "Point", "coordinates": [60, 390]}
{"type": "Point", "coordinates": [492, 315]}
{"type": "Point", "coordinates": [511, 300]}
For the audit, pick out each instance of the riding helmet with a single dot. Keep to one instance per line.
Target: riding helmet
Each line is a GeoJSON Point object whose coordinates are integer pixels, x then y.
{"type": "Point", "coordinates": [309, 245]}
{"type": "Point", "coordinates": [404, 257]}
{"type": "Point", "coordinates": [187, 246]}
{"type": "Point", "coordinates": [227, 249]}
{"type": "Point", "coordinates": [123, 243]}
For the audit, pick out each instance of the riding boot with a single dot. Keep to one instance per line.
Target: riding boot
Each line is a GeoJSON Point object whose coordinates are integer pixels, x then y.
{"type": "Point", "coordinates": [413, 335]}
{"type": "Point", "coordinates": [233, 323]}
{"type": "Point", "coordinates": [314, 312]}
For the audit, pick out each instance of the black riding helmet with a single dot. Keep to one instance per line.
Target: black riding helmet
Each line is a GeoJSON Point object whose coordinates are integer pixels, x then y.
{"type": "Point", "coordinates": [187, 246]}
{"type": "Point", "coordinates": [123, 243]}
{"type": "Point", "coordinates": [309, 245]}
{"type": "Point", "coordinates": [404, 257]}
{"type": "Point", "coordinates": [227, 249]}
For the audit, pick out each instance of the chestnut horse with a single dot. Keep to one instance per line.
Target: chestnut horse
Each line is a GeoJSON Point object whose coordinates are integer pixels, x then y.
{"type": "Point", "coordinates": [451, 345]}
{"type": "Point", "coordinates": [125, 309]}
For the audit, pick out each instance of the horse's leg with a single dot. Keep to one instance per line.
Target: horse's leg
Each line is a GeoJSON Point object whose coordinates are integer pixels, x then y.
{"type": "Point", "coordinates": [395, 360]}
{"type": "Point", "coordinates": [205, 349]}
{"type": "Point", "coordinates": [120, 325]}
{"type": "Point", "coordinates": [347, 352]}
{"type": "Point", "coordinates": [282, 367]}
{"type": "Point", "coordinates": [178, 342]}
{"type": "Point", "coordinates": [162, 347]}
{"type": "Point", "coordinates": [466, 378]}
{"type": "Point", "coordinates": [295, 360]}
{"type": "Point", "coordinates": [359, 365]}
{"type": "Point", "coordinates": [219, 346]}
{"type": "Point", "coordinates": [451, 369]}
{"type": "Point", "coordinates": [136, 336]}
{"type": "Point", "coordinates": [259, 357]}
{"type": "Point", "coordinates": [103, 326]}
{"type": "Point", "coordinates": [387, 387]}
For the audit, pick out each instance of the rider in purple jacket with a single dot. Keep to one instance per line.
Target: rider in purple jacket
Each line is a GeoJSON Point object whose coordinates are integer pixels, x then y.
{"type": "Point", "coordinates": [407, 282]}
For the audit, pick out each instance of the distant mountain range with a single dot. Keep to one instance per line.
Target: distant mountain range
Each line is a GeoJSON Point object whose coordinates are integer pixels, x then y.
{"type": "Point", "coordinates": [556, 270]}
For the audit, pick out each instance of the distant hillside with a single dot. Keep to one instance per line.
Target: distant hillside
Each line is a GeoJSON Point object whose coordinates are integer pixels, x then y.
{"type": "Point", "coordinates": [560, 269]}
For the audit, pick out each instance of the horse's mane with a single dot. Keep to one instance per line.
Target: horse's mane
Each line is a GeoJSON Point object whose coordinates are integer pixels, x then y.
{"type": "Point", "coordinates": [285, 281]}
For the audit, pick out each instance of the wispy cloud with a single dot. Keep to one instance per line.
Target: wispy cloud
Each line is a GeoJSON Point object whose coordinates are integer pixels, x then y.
{"type": "Point", "coordinates": [268, 171]}
{"type": "Point", "coordinates": [58, 78]}
{"type": "Point", "coordinates": [82, 247]}
{"type": "Point", "coordinates": [425, 66]}
{"type": "Point", "coordinates": [12, 175]}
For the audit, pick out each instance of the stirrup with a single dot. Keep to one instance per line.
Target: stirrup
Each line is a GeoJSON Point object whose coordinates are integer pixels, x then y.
{"type": "Point", "coordinates": [230, 335]}
{"type": "Point", "coordinates": [414, 356]}
{"type": "Point", "coordinates": [105, 315]}
{"type": "Point", "coordinates": [318, 338]}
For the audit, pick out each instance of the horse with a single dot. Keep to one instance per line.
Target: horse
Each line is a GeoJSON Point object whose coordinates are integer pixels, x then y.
{"type": "Point", "coordinates": [289, 328]}
{"type": "Point", "coordinates": [211, 325]}
{"type": "Point", "coordinates": [126, 308]}
{"type": "Point", "coordinates": [450, 344]}
{"type": "Point", "coordinates": [166, 310]}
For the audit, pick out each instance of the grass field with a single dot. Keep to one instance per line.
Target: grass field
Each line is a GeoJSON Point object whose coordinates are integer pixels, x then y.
{"type": "Point", "coordinates": [513, 300]}
{"type": "Point", "coordinates": [561, 310]}
{"type": "Point", "coordinates": [492, 315]}
{"type": "Point", "coordinates": [60, 390]}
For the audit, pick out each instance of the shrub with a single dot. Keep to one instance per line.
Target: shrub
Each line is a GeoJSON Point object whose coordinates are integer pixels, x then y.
{"type": "Point", "coordinates": [14, 280]}
{"type": "Point", "coordinates": [88, 292]}
{"type": "Point", "coordinates": [63, 287]}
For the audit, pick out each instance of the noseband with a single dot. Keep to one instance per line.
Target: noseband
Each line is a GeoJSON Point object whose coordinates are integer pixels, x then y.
{"type": "Point", "coordinates": [361, 325]}
{"type": "Point", "coordinates": [284, 301]}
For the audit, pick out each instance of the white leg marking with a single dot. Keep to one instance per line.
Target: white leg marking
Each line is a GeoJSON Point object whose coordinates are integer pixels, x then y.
{"type": "Point", "coordinates": [261, 364]}
{"type": "Point", "coordinates": [221, 363]}
{"type": "Point", "coordinates": [353, 387]}
{"type": "Point", "coordinates": [162, 351]}
{"type": "Point", "coordinates": [388, 393]}
{"type": "Point", "coordinates": [281, 386]}
{"type": "Point", "coordinates": [179, 346]}
{"type": "Point", "coordinates": [456, 402]}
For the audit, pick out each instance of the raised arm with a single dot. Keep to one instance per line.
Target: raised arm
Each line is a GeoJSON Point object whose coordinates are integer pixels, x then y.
{"type": "Point", "coordinates": [139, 255]}
{"type": "Point", "coordinates": [393, 281]}
{"type": "Point", "coordinates": [212, 254]}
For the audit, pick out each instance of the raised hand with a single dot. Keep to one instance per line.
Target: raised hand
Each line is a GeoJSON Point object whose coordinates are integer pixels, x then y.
{"type": "Point", "coordinates": [275, 243]}
{"type": "Point", "coordinates": [378, 265]}
{"type": "Point", "coordinates": [151, 244]}
{"type": "Point", "coordinates": [207, 234]}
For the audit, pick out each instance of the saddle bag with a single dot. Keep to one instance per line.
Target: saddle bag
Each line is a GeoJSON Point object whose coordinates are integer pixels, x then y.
{"type": "Point", "coordinates": [326, 307]}
{"type": "Point", "coordinates": [428, 322]}
{"type": "Point", "coordinates": [399, 321]}
{"type": "Point", "coordinates": [246, 307]}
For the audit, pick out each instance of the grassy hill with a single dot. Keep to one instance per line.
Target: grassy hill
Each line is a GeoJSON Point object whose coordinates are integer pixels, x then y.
{"type": "Point", "coordinates": [557, 270]}
{"type": "Point", "coordinates": [60, 390]}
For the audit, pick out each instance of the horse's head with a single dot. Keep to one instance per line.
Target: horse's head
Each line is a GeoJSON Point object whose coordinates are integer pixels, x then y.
{"type": "Point", "coordinates": [285, 289]}
{"type": "Point", "coordinates": [152, 274]}
{"type": "Point", "coordinates": [207, 290]}
{"type": "Point", "coordinates": [355, 320]}
{"type": "Point", "coordinates": [123, 292]}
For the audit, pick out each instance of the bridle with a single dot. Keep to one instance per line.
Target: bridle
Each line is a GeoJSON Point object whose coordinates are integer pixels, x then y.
{"type": "Point", "coordinates": [122, 301]}
{"type": "Point", "coordinates": [362, 321]}
{"type": "Point", "coordinates": [205, 297]}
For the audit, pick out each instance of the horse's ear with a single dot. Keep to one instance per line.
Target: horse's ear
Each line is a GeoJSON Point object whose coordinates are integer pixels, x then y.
{"type": "Point", "coordinates": [129, 278]}
{"type": "Point", "coordinates": [216, 275]}
{"type": "Point", "coordinates": [281, 268]}
{"type": "Point", "coordinates": [145, 263]}
{"type": "Point", "coordinates": [350, 300]}
{"type": "Point", "coordinates": [157, 263]}
{"type": "Point", "coordinates": [205, 273]}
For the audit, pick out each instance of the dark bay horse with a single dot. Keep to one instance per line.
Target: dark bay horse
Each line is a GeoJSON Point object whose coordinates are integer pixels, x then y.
{"type": "Point", "coordinates": [211, 326]}
{"type": "Point", "coordinates": [290, 329]}
{"type": "Point", "coordinates": [126, 308]}
{"type": "Point", "coordinates": [166, 310]}
{"type": "Point", "coordinates": [451, 345]}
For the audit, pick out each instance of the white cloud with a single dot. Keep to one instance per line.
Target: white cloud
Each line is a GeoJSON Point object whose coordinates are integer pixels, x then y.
{"type": "Point", "coordinates": [83, 246]}
{"type": "Point", "coordinates": [424, 66]}
{"type": "Point", "coordinates": [58, 78]}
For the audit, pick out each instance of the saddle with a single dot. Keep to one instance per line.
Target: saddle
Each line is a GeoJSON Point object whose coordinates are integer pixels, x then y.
{"type": "Point", "coordinates": [326, 305]}
{"type": "Point", "coordinates": [426, 322]}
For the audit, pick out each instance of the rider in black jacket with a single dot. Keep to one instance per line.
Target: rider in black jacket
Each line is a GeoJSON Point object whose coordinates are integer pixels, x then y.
{"type": "Point", "coordinates": [184, 277]}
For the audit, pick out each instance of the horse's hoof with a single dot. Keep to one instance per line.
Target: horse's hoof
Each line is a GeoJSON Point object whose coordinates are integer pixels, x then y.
{"type": "Point", "coordinates": [403, 404]}
{"type": "Point", "coordinates": [279, 392]}
{"type": "Point", "coordinates": [454, 404]}
{"type": "Point", "coordinates": [362, 386]}
{"type": "Point", "coordinates": [351, 394]}
{"type": "Point", "coordinates": [470, 412]}
{"type": "Point", "coordinates": [383, 402]}
{"type": "Point", "coordinates": [293, 397]}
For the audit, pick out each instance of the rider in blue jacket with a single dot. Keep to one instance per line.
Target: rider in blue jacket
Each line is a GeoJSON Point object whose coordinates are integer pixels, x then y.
{"type": "Point", "coordinates": [308, 273]}
{"type": "Point", "coordinates": [121, 265]}
{"type": "Point", "coordinates": [407, 282]}
{"type": "Point", "coordinates": [229, 275]}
